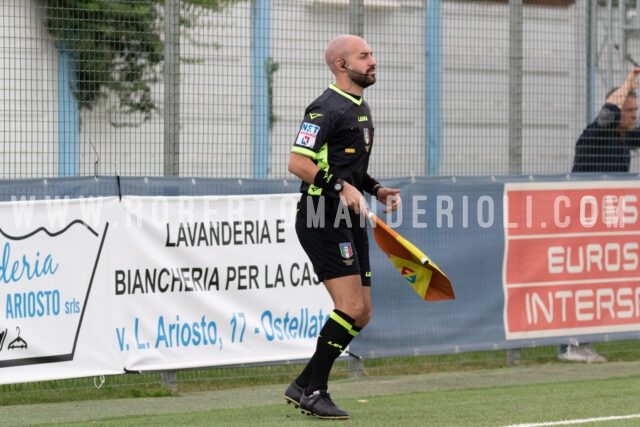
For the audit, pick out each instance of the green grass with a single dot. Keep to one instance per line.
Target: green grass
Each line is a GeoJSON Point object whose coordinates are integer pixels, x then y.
{"type": "Point", "coordinates": [479, 398]}
{"type": "Point", "coordinates": [150, 385]}
{"type": "Point", "coordinates": [464, 389]}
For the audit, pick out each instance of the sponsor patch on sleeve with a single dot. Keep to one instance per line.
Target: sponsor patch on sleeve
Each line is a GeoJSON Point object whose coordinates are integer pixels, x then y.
{"type": "Point", "coordinates": [307, 135]}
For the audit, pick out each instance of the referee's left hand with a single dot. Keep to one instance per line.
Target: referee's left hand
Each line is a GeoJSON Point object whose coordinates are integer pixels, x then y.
{"type": "Point", "coordinates": [390, 197]}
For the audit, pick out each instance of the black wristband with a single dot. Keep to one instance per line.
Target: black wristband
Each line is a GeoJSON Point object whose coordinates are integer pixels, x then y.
{"type": "Point", "coordinates": [325, 180]}
{"type": "Point", "coordinates": [375, 191]}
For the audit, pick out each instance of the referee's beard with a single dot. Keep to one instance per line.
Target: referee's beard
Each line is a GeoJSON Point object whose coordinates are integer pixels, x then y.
{"type": "Point", "coordinates": [363, 80]}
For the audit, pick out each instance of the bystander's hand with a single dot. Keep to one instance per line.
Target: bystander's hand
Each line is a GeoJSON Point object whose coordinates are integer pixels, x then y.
{"type": "Point", "coordinates": [619, 96]}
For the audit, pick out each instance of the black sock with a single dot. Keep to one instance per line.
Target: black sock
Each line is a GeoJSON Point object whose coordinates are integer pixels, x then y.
{"type": "Point", "coordinates": [335, 336]}
{"type": "Point", "coordinates": [305, 376]}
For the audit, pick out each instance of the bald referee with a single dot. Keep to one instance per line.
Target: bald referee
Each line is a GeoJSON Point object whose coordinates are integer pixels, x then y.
{"type": "Point", "coordinates": [331, 157]}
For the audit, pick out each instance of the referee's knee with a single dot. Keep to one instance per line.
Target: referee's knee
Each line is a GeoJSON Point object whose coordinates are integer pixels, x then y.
{"type": "Point", "coordinates": [363, 319]}
{"type": "Point", "coordinates": [357, 311]}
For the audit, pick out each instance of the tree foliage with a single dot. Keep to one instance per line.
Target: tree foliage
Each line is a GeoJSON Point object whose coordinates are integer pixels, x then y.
{"type": "Point", "coordinates": [116, 45]}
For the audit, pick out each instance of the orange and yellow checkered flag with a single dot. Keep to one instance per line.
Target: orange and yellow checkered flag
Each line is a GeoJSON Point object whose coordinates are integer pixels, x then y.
{"type": "Point", "coordinates": [422, 274]}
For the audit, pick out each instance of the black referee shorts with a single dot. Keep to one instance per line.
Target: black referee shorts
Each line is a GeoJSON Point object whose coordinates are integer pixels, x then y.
{"type": "Point", "coordinates": [335, 248]}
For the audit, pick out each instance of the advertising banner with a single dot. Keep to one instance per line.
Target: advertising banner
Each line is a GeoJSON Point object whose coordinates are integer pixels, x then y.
{"type": "Point", "coordinates": [571, 258]}
{"type": "Point", "coordinates": [51, 250]}
{"type": "Point", "coordinates": [159, 274]}
{"type": "Point", "coordinates": [103, 285]}
{"type": "Point", "coordinates": [533, 261]}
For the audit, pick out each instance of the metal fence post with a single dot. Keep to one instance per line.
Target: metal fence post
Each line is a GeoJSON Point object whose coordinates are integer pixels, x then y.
{"type": "Point", "coordinates": [260, 101]}
{"type": "Point", "coordinates": [513, 357]}
{"type": "Point", "coordinates": [433, 86]}
{"type": "Point", "coordinates": [515, 87]}
{"type": "Point", "coordinates": [172, 88]}
{"type": "Point", "coordinates": [355, 367]}
{"type": "Point", "coordinates": [170, 380]}
{"type": "Point", "coordinates": [515, 110]}
{"type": "Point", "coordinates": [356, 17]}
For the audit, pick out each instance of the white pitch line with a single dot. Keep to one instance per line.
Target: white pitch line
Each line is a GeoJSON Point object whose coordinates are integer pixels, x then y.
{"type": "Point", "coordinates": [580, 421]}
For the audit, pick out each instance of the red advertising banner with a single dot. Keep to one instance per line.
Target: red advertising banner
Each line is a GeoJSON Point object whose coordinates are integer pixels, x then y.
{"type": "Point", "coordinates": [572, 258]}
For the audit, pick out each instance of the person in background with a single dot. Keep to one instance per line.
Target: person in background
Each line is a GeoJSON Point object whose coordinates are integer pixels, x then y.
{"type": "Point", "coordinates": [605, 146]}
{"type": "Point", "coordinates": [331, 157]}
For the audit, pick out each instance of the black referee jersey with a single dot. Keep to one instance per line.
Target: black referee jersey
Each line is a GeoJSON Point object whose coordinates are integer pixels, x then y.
{"type": "Point", "coordinates": [337, 134]}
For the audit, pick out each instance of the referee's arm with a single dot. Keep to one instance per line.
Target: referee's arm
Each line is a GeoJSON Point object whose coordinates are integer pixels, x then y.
{"type": "Point", "coordinates": [303, 167]}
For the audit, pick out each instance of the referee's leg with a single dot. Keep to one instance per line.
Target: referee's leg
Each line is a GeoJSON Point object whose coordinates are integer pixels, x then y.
{"type": "Point", "coordinates": [351, 298]}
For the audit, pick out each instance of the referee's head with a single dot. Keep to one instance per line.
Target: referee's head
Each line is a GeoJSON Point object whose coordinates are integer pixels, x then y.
{"type": "Point", "coordinates": [351, 60]}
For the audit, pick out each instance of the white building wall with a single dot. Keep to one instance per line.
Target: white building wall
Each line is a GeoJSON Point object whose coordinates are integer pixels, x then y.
{"type": "Point", "coordinates": [215, 91]}
{"type": "Point", "coordinates": [28, 93]}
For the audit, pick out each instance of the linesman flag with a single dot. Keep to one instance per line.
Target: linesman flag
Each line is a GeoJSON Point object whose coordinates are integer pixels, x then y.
{"type": "Point", "coordinates": [422, 274]}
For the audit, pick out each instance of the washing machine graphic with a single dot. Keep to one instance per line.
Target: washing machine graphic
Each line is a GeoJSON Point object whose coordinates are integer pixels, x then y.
{"type": "Point", "coordinates": [46, 276]}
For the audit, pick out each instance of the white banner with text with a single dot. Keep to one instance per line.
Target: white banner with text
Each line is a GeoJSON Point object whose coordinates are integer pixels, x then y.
{"type": "Point", "coordinates": [94, 286]}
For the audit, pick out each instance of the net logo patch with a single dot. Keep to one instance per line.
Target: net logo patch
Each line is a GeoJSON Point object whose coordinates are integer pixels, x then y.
{"type": "Point", "coordinates": [307, 135]}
